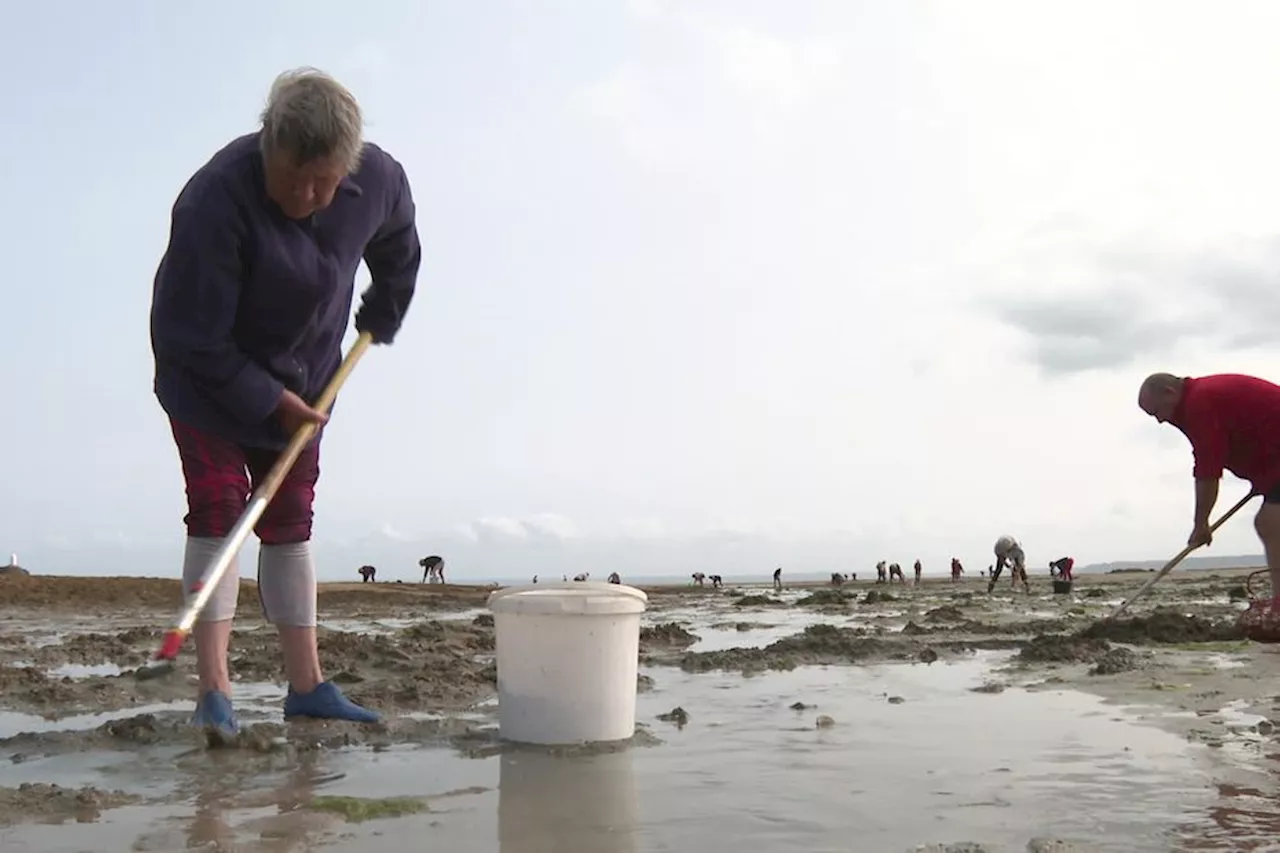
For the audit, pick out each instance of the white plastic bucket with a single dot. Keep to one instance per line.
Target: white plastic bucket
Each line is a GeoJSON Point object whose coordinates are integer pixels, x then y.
{"type": "Point", "coordinates": [568, 655]}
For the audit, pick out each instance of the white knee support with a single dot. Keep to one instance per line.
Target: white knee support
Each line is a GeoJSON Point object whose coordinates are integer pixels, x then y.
{"type": "Point", "coordinates": [198, 557]}
{"type": "Point", "coordinates": [287, 584]}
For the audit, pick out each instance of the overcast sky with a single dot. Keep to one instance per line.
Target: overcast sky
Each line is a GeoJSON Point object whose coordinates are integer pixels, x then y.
{"type": "Point", "coordinates": [707, 285]}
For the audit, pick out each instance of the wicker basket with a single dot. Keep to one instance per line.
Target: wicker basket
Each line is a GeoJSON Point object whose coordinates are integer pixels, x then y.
{"type": "Point", "coordinates": [1261, 622]}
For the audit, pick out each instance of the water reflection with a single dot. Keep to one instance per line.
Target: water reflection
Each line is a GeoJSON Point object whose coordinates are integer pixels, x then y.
{"type": "Point", "coordinates": [1243, 818]}
{"type": "Point", "coordinates": [230, 801]}
{"type": "Point", "coordinates": [550, 802]}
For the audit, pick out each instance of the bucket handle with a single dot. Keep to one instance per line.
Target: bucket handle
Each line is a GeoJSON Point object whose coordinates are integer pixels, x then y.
{"type": "Point", "coordinates": [594, 586]}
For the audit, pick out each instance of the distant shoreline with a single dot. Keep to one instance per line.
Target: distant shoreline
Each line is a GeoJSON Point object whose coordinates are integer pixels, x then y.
{"type": "Point", "coordinates": [1231, 561]}
{"type": "Point", "coordinates": [1101, 573]}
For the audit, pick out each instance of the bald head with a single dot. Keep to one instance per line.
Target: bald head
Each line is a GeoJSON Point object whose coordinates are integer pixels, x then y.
{"type": "Point", "coordinates": [1159, 395]}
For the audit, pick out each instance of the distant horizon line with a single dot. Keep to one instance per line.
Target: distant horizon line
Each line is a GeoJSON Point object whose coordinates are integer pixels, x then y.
{"type": "Point", "coordinates": [1234, 561]}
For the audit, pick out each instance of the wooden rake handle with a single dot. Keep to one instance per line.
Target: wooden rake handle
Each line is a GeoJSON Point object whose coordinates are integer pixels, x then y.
{"type": "Point", "coordinates": [258, 501]}
{"type": "Point", "coordinates": [271, 483]}
{"type": "Point", "coordinates": [1169, 566]}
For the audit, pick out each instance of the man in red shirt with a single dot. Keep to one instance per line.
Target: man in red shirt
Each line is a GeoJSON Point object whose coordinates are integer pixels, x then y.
{"type": "Point", "coordinates": [1233, 424]}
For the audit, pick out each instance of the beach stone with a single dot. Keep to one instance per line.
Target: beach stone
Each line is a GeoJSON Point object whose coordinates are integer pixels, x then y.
{"type": "Point", "coordinates": [676, 715]}
{"type": "Point", "coordinates": [825, 722]}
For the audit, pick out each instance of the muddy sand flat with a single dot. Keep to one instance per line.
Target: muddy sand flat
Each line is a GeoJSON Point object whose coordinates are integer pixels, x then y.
{"type": "Point", "coordinates": [936, 715]}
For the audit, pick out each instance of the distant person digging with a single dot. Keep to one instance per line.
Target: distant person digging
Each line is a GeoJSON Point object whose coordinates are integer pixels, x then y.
{"type": "Point", "coordinates": [882, 573]}
{"type": "Point", "coordinates": [1008, 551]}
{"type": "Point", "coordinates": [716, 581]}
{"type": "Point", "coordinates": [957, 569]}
{"type": "Point", "coordinates": [432, 569]}
{"type": "Point", "coordinates": [895, 571]}
{"type": "Point", "coordinates": [1061, 568]}
{"type": "Point", "coordinates": [614, 577]}
{"type": "Point", "coordinates": [367, 574]}
{"type": "Point", "coordinates": [919, 569]}
{"type": "Point", "coordinates": [1233, 424]}
{"type": "Point", "coordinates": [777, 579]}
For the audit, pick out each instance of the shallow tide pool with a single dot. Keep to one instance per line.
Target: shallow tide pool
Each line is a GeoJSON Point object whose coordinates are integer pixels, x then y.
{"type": "Point", "coordinates": [944, 764]}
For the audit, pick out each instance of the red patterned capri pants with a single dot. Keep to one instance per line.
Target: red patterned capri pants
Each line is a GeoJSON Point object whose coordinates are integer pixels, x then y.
{"type": "Point", "coordinates": [221, 475]}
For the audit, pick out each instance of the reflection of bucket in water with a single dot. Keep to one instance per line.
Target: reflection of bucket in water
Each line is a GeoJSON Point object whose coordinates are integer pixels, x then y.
{"type": "Point", "coordinates": [550, 803]}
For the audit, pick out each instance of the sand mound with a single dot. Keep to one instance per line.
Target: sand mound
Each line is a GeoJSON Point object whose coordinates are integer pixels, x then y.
{"type": "Point", "coordinates": [667, 634]}
{"type": "Point", "coordinates": [1166, 625]}
{"type": "Point", "coordinates": [97, 595]}
{"type": "Point", "coordinates": [828, 598]}
{"type": "Point", "coordinates": [945, 613]}
{"type": "Point", "coordinates": [1063, 648]}
{"type": "Point", "coordinates": [53, 804]}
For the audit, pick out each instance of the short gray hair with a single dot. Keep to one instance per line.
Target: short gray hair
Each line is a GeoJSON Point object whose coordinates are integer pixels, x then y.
{"type": "Point", "coordinates": [310, 115]}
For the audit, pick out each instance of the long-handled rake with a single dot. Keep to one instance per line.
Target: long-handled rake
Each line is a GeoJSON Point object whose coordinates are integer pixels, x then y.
{"type": "Point", "coordinates": [1169, 566]}
{"type": "Point", "coordinates": [171, 644]}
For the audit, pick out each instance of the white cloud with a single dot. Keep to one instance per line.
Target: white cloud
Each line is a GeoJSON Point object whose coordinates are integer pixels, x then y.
{"type": "Point", "coordinates": [773, 270]}
{"type": "Point", "coordinates": [643, 528]}
{"type": "Point", "coordinates": [773, 69]}
{"type": "Point", "coordinates": [643, 110]}
{"type": "Point", "coordinates": [728, 90]}
{"type": "Point", "coordinates": [390, 531]}
{"type": "Point", "coordinates": [552, 525]}
{"type": "Point", "coordinates": [649, 10]}
{"type": "Point", "coordinates": [498, 527]}
{"type": "Point", "coordinates": [543, 526]}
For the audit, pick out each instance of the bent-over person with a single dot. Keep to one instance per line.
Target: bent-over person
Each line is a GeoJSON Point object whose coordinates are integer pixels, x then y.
{"type": "Point", "coordinates": [1009, 552]}
{"type": "Point", "coordinates": [1232, 422]}
{"type": "Point", "coordinates": [250, 305]}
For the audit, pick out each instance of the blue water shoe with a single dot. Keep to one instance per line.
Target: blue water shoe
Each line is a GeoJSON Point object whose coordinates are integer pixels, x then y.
{"type": "Point", "coordinates": [215, 715]}
{"type": "Point", "coordinates": [326, 702]}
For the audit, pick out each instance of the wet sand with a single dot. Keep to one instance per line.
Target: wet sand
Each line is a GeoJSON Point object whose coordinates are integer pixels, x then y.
{"type": "Point", "coordinates": [888, 717]}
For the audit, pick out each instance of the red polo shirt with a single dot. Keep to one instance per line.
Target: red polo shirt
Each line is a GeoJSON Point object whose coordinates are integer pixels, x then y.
{"type": "Point", "coordinates": [1233, 423]}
